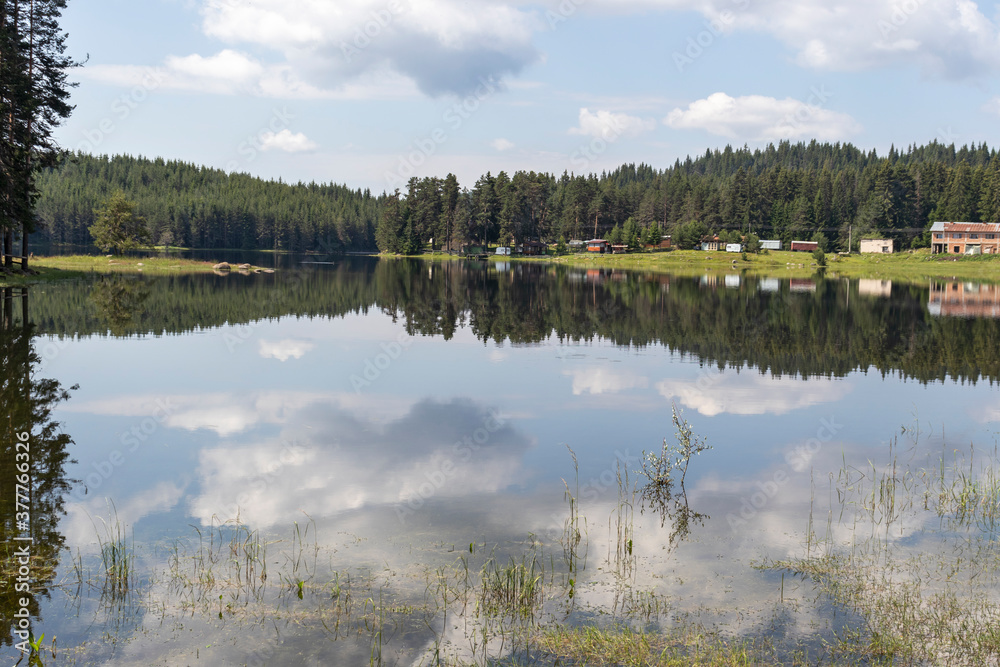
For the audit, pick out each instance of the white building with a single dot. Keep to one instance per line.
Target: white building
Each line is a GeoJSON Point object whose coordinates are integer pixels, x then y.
{"type": "Point", "coordinates": [876, 246]}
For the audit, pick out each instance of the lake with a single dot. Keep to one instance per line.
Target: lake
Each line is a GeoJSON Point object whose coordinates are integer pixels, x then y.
{"type": "Point", "coordinates": [367, 461]}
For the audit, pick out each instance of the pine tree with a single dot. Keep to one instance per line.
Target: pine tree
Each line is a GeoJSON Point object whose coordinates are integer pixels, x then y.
{"type": "Point", "coordinates": [34, 98]}
{"type": "Point", "coordinates": [959, 201]}
{"type": "Point", "coordinates": [449, 209]}
{"type": "Point", "coordinates": [989, 200]}
{"type": "Point", "coordinates": [486, 209]}
{"type": "Point", "coordinates": [117, 227]}
{"type": "Point", "coordinates": [390, 223]}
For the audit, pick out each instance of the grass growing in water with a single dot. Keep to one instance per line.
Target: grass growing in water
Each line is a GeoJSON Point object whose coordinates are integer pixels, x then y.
{"type": "Point", "coordinates": [921, 565]}
{"type": "Point", "coordinates": [117, 559]}
{"type": "Point", "coordinates": [512, 589]}
{"type": "Point", "coordinates": [626, 647]}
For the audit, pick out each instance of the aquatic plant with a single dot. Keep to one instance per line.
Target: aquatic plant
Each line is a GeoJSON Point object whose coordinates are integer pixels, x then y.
{"type": "Point", "coordinates": [117, 557]}
{"type": "Point", "coordinates": [512, 589]}
{"type": "Point", "coordinates": [666, 473]}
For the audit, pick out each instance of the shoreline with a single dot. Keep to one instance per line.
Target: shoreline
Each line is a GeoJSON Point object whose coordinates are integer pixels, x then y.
{"type": "Point", "coordinates": [913, 267]}
{"type": "Point", "coordinates": [48, 269]}
{"type": "Point", "coordinates": [910, 267]}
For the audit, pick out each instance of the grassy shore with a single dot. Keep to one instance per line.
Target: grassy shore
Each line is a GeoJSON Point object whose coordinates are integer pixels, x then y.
{"type": "Point", "coordinates": [915, 267]}
{"type": "Point", "coordinates": [68, 267]}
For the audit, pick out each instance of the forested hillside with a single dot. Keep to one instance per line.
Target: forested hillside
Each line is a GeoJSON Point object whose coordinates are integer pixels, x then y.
{"type": "Point", "coordinates": [193, 206]}
{"type": "Point", "coordinates": [790, 191]}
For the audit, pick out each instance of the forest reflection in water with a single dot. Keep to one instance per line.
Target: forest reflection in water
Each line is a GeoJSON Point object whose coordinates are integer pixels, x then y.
{"type": "Point", "coordinates": [819, 326]}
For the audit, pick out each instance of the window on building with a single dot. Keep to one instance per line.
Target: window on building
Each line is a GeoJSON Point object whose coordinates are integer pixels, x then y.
{"type": "Point", "coordinates": [956, 236]}
{"type": "Point", "coordinates": [957, 249]}
{"type": "Point", "coordinates": [991, 236]}
{"type": "Point", "coordinates": [938, 236]}
{"type": "Point", "coordinates": [973, 236]}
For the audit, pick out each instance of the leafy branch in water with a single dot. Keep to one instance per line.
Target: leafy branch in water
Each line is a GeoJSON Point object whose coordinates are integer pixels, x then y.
{"type": "Point", "coordinates": [670, 468]}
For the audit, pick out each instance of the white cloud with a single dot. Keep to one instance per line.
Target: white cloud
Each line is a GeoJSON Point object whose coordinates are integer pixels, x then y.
{"type": "Point", "coordinates": [283, 350]}
{"type": "Point", "coordinates": [953, 39]}
{"type": "Point", "coordinates": [608, 125]}
{"type": "Point", "coordinates": [752, 395]}
{"type": "Point", "coordinates": [288, 142]}
{"type": "Point", "coordinates": [227, 65]}
{"type": "Point", "coordinates": [604, 381]}
{"type": "Point", "coordinates": [444, 46]}
{"type": "Point", "coordinates": [232, 73]}
{"type": "Point", "coordinates": [992, 106]}
{"type": "Point", "coordinates": [755, 117]}
{"type": "Point", "coordinates": [502, 144]}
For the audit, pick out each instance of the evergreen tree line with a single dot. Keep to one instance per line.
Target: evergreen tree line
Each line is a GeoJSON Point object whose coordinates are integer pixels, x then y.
{"type": "Point", "coordinates": [191, 206]}
{"type": "Point", "coordinates": [831, 193]}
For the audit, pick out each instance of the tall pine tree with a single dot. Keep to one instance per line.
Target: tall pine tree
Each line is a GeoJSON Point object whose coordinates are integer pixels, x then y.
{"type": "Point", "coordinates": [34, 99]}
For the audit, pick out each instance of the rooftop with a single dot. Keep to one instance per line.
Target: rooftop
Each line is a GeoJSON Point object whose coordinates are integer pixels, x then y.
{"type": "Point", "coordinates": [965, 227]}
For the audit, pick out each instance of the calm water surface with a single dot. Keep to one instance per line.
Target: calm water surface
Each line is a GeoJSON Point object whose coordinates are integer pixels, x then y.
{"type": "Point", "coordinates": [311, 467]}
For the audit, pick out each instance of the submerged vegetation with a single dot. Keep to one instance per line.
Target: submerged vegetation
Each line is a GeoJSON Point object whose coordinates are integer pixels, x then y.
{"type": "Point", "coordinates": [666, 472]}
{"type": "Point", "coordinates": [908, 554]}
{"type": "Point", "coordinates": [920, 564]}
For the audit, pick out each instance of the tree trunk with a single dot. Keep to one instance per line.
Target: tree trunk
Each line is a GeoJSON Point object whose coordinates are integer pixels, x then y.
{"type": "Point", "coordinates": [28, 212]}
{"type": "Point", "coordinates": [8, 308]}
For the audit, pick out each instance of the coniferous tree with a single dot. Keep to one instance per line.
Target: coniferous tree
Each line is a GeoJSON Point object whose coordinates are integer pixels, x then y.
{"type": "Point", "coordinates": [117, 227]}
{"type": "Point", "coordinates": [449, 209]}
{"type": "Point", "coordinates": [390, 225]}
{"type": "Point", "coordinates": [34, 98]}
{"type": "Point", "coordinates": [989, 200]}
{"type": "Point", "coordinates": [486, 208]}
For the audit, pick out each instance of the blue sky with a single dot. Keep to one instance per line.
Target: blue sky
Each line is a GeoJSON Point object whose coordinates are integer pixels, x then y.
{"type": "Point", "coordinates": [370, 92]}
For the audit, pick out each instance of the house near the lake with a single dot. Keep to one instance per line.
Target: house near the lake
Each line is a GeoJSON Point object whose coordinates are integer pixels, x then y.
{"type": "Point", "coordinates": [710, 243]}
{"type": "Point", "coordinates": [532, 248]}
{"type": "Point", "coordinates": [598, 245]}
{"type": "Point", "coordinates": [804, 246]}
{"type": "Point", "coordinates": [965, 238]}
{"type": "Point", "coordinates": [876, 246]}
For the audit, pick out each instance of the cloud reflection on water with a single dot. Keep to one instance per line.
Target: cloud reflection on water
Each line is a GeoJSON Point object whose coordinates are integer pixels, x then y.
{"type": "Point", "coordinates": [751, 393]}
{"type": "Point", "coordinates": [329, 459]}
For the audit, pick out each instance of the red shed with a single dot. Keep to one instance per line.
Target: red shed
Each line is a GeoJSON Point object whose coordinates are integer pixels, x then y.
{"type": "Point", "coordinates": [598, 245]}
{"type": "Point", "coordinates": [804, 246]}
